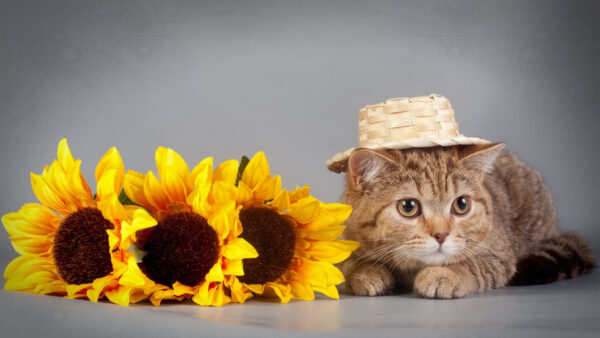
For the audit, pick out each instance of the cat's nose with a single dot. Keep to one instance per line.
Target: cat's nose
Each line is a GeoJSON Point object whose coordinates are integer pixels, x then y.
{"type": "Point", "coordinates": [440, 236]}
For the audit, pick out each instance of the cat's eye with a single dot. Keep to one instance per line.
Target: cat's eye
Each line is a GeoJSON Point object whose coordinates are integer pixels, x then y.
{"type": "Point", "coordinates": [461, 205]}
{"type": "Point", "coordinates": [409, 207]}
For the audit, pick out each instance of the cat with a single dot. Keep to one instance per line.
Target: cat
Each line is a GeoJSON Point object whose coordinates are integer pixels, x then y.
{"type": "Point", "coordinates": [446, 222]}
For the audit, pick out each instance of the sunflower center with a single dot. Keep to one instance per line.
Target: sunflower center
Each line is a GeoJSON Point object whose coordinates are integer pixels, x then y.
{"type": "Point", "coordinates": [181, 248]}
{"type": "Point", "coordinates": [274, 240]}
{"type": "Point", "coordinates": [81, 249]}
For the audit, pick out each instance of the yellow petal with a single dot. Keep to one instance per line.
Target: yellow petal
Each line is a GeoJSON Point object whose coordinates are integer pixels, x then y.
{"type": "Point", "coordinates": [107, 185]}
{"type": "Point", "coordinates": [223, 191]}
{"type": "Point", "coordinates": [111, 161]}
{"type": "Point", "coordinates": [227, 172]}
{"type": "Point", "coordinates": [211, 295]}
{"type": "Point", "coordinates": [202, 173]}
{"type": "Point", "coordinates": [103, 282]}
{"type": "Point", "coordinates": [284, 292]}
{"type": "Point", "coordinates": [32, 219]}
{"type": "Point", "coordinates": [215, 274]}
{"type": "Point", "coordinates": [181, 289]}
{"type": "Point", "coordinates": [118, 295]}
{"type": "Point", "coordinates": [334, 275]}
{"type": "Point", "coordinates": [239, 293]}
{"type": "Point", "coordinates": [282, 200]}
{"type": "Point", "coordinates": [222, 221]}
{"type": "Point", "coordinates": [40, 215]}
{"type": "Point", "coordinates": [168, 158]}
{"type": "Point", "coordinates": [328, 234]}
{"type": "Point", "coordinates": [136, 296]}
{"type": "Point", "coordinates": [302, 291]}
{"type": "Point", "coordinates": [79, 187]}
{"type": "Point", "coordinates": [239, 248]}
{"type": "Point", "coordinates": [268, 188]}
{"type": "Point", "coordinates": [141, 219]}
{"type": "Point", "coordinates": [57, 179]}
{"type": "Point", "coordinates": [133, 277]}
{"type": "Point", "coordinates": [299, 193]}
{"type": "Point", "coordinates": [319, 273]}
{"type": "Point", "coordinates": [331, 215]}
{"type": "Point", "coordinates": [27, 283]}
{"type": "Point", "coordinates": [330, 291]}
{"type": "Point", "coordinates": [244, 194]}
{"type": "Point", "coordinates": [312, 272]}
{"type": "Point", "coordinates": [154, 192]}
{"type": "Point", "coordinates": [256, 170]}
{"type": "Point", "coordinates": [233, 267]}
{"type": "Point", "coordinates": [134, 188]}
{"type": "Point", "coordinates": [56, 287]}
{"type": "Point", "coordinates": [25, 265]}
{"type": "Point", "coordinates": [199, 200]}
{"type": "Point", "coordinates": [16, 265]}
{"type": "Point", "coordinates": [49, 197]}
{"type": "Point", "coordinates": [201, 297]}
{"type": "Point", "coordinates": [217, 295]}
{"type": "Point", "coordinates": [73, 289]}
{"type": "Point", "coordinates": [259, 289]}
{"type": "Point", "coordinates": [112, 209]}
{"type": "Point", "coordinates": [302, 244]}
{"type": "Point", "coordinates": [306, 210]}
{"type": "Point", "coordinates": [174, 185]}
{"type": "Point", "coordinates": [332, 251]}
{"type": "Point", "coordinates": [113, 239]}
{"type": "Point", "coordinates": [64, 156]}
{"type": "Point", "coordinates": [31, 245]}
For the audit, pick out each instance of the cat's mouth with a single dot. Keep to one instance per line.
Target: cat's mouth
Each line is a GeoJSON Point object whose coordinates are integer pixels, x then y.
{"type": "Point", "coordinates": [436, 257]}
{"type": "Point", "coordinates": [437, 254]}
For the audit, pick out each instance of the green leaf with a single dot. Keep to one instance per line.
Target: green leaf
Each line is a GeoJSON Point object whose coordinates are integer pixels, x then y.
{"type": "Point", "coordinates": [124, 199]}
{"type": "Point", "coordinates": [243, 163]}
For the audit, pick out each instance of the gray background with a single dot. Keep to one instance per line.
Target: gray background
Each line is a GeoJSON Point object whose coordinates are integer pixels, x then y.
{"type": "Point", "coordinates": [227, 78]}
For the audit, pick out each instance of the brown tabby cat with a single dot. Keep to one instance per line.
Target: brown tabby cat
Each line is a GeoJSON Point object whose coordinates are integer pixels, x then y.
{"type": "Point", "coordinates": [446, 222]}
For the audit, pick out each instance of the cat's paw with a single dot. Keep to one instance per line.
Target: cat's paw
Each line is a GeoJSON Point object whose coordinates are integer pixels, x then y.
{"type": "Point", "coordinates": [438, 282]}
{"type": "Point", "coordinates": [370, 280]}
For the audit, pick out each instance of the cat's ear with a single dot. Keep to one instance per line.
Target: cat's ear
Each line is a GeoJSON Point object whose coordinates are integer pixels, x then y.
{"type": "Point", "coordinates": [364, 165]}
{"type": "Point", "coordinates": [481, 157]}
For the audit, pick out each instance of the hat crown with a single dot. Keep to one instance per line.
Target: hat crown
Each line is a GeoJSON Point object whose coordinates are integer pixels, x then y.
{"type": "Point", "coordinates": [405, 122]}
{"type": "Point", "coordinates": [405, 118]}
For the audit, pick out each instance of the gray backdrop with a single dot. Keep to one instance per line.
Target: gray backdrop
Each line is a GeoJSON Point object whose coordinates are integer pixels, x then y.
{"type": "Point", "coordinates": [227, 78]}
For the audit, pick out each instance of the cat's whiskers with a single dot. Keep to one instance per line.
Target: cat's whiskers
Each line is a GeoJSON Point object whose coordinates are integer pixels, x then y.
{"type": "Point", "coordinates": [375, 252]}
{"type": "Point", "coordinates": [489, 255]}
{"type": "Point", "coordinates": [373, 240]}
{"type": "Point", "coordinates": [386, 254]}
{"type": "Point", "coordinates": [485, 259]}
{"type": "Point", "coordinates": [396, 256]}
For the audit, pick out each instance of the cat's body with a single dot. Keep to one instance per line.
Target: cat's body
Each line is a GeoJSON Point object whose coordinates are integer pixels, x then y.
{"type": "Point", "coordinates": [482, 219]}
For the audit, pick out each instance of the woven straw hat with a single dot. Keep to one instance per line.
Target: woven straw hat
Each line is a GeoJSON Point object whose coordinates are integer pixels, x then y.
{"type": "Point", "coordinates": [405, 122]}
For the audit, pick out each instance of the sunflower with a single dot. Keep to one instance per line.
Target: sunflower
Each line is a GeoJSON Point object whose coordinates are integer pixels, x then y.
{"type": "Point", "coordinates": [76, 244]}
{"type": "Point", "coordinates": [195, 250]}
{"type": "Point", "coordinates": [295, 234]}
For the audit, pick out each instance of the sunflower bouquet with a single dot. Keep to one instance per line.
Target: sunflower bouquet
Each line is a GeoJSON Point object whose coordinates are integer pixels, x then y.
{"type": "Point", "coordinates": [214, 235]}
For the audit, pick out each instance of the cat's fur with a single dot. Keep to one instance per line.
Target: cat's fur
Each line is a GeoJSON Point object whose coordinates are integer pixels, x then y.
{"type": "Point", "coordinates": [508, 236]}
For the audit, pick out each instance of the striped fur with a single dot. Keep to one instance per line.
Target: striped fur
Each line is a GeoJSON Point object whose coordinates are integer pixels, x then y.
{"type": "Point", "coordinates": [508, 236]}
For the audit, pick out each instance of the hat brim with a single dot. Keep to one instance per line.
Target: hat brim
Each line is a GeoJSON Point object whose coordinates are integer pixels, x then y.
{"type": "Point", "coordinates": [339, 162]}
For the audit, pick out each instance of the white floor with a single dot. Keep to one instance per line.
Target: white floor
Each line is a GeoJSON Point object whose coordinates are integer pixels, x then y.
{"type": "Point", "coordinates": [569, 308]}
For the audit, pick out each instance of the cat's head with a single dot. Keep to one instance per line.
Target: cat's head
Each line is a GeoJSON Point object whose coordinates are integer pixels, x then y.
{"type": "Point", "coordinates": [428, 205]}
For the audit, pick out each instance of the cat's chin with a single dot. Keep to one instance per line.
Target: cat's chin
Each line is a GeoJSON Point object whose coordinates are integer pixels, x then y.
{"type": "Point", "coordinates": [434, 258]}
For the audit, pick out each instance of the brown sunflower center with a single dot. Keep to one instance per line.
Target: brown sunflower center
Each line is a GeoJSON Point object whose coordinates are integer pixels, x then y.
{"type": "Point", "coordinates": [274, 240]}
{"type": "Point", "coordinates": [181, 248]}
{"type": "Point", "coordinates": [81, 249]}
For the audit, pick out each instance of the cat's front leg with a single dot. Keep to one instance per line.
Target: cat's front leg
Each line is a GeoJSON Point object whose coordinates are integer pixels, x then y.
{"type": "Point", "coordinates": [442, 282]}
{"type": "Point", "coordinates": [460, 280]}
{"type": "Point", "coordinates": [370, 280]}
